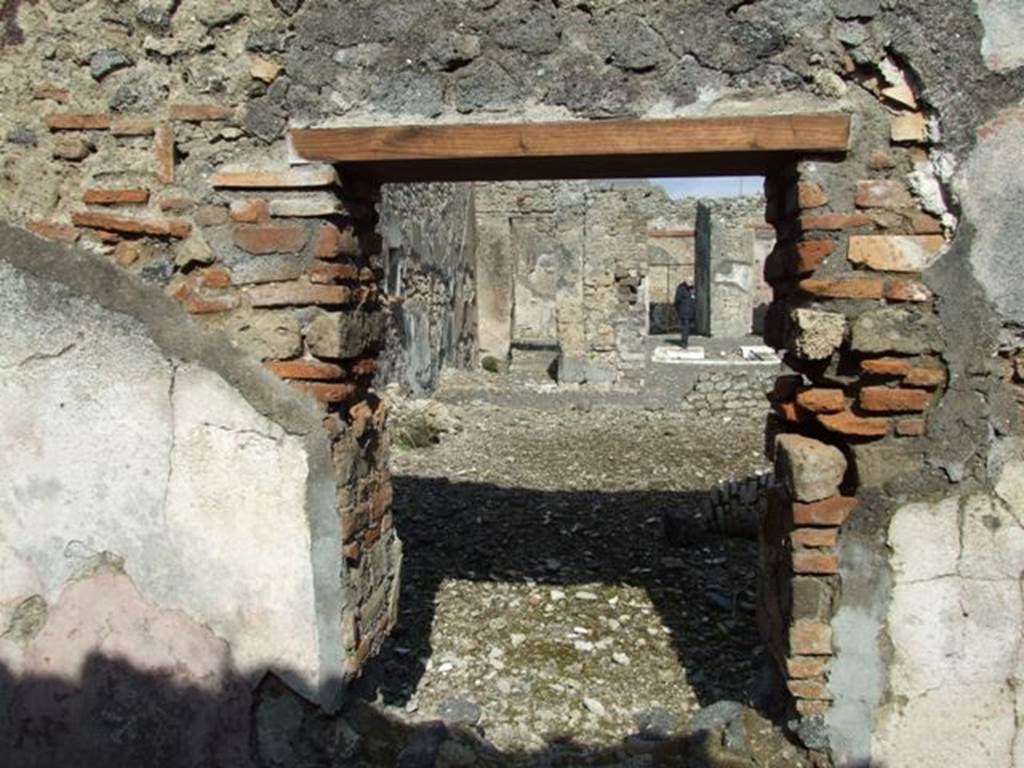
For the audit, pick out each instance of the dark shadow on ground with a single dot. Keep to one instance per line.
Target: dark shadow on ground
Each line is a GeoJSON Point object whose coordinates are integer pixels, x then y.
{"type": "Point", "coordinates": [704, 592]}
{"type": "Point", "coordinates": [113, 715]}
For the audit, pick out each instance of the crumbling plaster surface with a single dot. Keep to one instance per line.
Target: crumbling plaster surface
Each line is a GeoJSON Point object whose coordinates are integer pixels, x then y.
{"type": "Point", "coordinates": [501, 59]}
{"type": "Point", "coordinates": [992, 200]}
{"type": "Point", "coordinates": [1002, 21]}
{"type": "Point", "coordinates": [128, 676]}
{"type": "Point", "coordinates": [429, 238]}
{"type": "Point", "coordinates": [956, 622]}
{"type": "Point", "coordinates": [125, 443]}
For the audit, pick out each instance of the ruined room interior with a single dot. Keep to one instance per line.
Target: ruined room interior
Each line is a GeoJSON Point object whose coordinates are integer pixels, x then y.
{"type": "Point", "coordinates": [345, 414]}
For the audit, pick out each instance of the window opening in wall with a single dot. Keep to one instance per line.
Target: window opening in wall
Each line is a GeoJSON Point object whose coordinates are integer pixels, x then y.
{"type": "Point", "coordinates": [578, 495]}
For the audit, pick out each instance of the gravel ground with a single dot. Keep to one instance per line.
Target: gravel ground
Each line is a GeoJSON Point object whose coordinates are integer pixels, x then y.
{"type": "Point", "coordinates": [540, 601]}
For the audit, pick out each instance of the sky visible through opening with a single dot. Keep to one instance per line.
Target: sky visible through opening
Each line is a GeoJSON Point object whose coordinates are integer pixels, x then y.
{"type": "Point", "coordinates": [712, 186]}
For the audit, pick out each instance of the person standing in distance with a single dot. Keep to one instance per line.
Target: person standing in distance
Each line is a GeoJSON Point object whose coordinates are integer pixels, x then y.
{"type": "Point", "coordinates": [685, 303]}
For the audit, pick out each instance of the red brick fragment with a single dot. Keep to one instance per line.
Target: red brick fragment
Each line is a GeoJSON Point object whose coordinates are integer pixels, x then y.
{"type": "Point", "coordinates": [332, 242]}
{"type": "Point", "coordinates": [822, 400]}
{"type": "Point", "coordinates": [815, 563]}
{"type": "Point", "coordinates": [829, 512]}
{"type": "Point", "coordinates": [811, 195]}
{"type": "Point", "coordinates": [52, 92]}
{"type": "Point", "coordinates": [263, 239]}
{"type": "Point", "coordinates": [912, 128]}
{"type": "Point", "coordinates": [810, 638]}
{"type": "Point", "coordinates": [879, 160]}
{"type": "Point", "coordinates": [59, 232]}
{"type": "Point", "coordinates": [844, 288]}
{"type": "Point", "coordinates": [77, 121]}
{"type": "Point", "coordinates": [801, 668]}
{"type": "Point", "coordinates": [176, 204]}
{"type": "Point", "coordinates": [789, 412]}
{"type": "Point", "coordinates": [811, 253]}
{"type": "Point", "coordinates": [925, 224]}
{"type": "Point", "coordinates": [848, 423]}
{"type": "Point", "coordinates": [97, 196]}
{"type": "Point", "coordinates": [163, 148]}
{"type": "Point", "coordinates": [835, 221]}
{"type": "Point", "coordinates": [254, 211]}
{"type": "Point", "coordinates": [809, 689]}
{"type": "Point", "coordinates": [907, 290]}
{"type": "Point", "coordinates": [153, 227]}
{"type": "Point", "coordinates": [286, 178]}
{"type": "Point", "coordinates": [892, 400]}
{"type": "Point", "coordinates": [885, 366]}
{"type": "Point", "coordinates": [207, 305]}
{"type": "Point", "coordinates": [212, 277]}
{"type": "Point", "coordinates": [814, 537]}
{"type": "Point", "coordinates": [132, 126]}
{"type": "Point", "coordinates": [314, 370]}
{"type": "Point", "coordinates": [326, 393]}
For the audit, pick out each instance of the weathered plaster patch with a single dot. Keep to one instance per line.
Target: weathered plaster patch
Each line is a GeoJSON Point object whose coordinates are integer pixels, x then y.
{"type": "Point", "coordinates": [1002, 47]}
{"type": "Point", "coordinates": [992, 190]}
{"type": "Point", "coordinates": [956, 622]}
{"type": "Point", "coordinates": [109, 676]}
{"type": "Point", "coordinates": [121, 454]}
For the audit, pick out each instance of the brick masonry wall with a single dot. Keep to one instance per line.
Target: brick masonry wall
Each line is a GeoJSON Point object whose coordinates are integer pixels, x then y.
{"type": "Point", "coordinates": [859, 326]}
{"type": "Point", "coordinates": [111, 139]}
{"type": "Point", "coordinates": [155, 141]}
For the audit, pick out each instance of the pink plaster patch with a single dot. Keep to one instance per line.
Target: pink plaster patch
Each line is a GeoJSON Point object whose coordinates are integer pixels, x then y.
{"type": "Point", "coordinates": [110, 680]}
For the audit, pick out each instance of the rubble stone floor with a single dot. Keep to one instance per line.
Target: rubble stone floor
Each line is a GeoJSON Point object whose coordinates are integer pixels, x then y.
{"type": "Point", "coordinates": [540, 599]}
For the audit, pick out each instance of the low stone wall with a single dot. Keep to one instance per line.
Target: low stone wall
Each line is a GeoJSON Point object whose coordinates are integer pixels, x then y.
{"type": "Point", "coordinates": [733, 508]}
{"type": "Point", "coordinates": [737, 392]}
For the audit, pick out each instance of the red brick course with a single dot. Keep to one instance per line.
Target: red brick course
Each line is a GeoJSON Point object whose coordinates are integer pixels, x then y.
{"type": "Point", "coordinates": [271, 238]}
{"type": "Point", "coordinates": [892, 400]}
{"type": "Point", "coordinates": [830, 512]}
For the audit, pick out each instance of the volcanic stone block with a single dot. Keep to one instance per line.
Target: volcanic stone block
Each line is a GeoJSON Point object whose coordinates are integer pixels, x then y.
{"type": "Point", "coordinates": [341, 335]}
{"type": "Point", "coordinates": [894, 329]}
{"type": "Point", "coordinates": [810, 470]}
{"type": "Point", "coordinates": [815, 335]}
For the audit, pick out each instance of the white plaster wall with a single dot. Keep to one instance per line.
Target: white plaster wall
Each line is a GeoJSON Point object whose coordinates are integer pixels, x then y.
{"type": "Point", "coordinates": [107, 446]}
{"type": "Point", "coordinates": [956, 624]}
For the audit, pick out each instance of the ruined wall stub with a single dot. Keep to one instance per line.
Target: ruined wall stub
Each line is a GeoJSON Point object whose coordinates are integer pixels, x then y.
{"type": "Point", "coordinates": [557, 235]}
{"type": "Point", "coordinates": [429, 246]}
{"type": "Point", "coordinates": [142, 112]}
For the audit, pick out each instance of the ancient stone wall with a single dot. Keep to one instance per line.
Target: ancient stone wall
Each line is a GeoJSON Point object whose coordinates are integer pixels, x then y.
{"type": "Point", "coordinates": [155, 143]}
{"type": "Point", "coordinates": [429, 254]}
{"type": "Point", "coordinates": [146, 462]}
{"type": "Point", "coordinates": [569, 254]}
{"type": "Point", "coordinates": [729, 392]}
{"type": "Point", "coordinates": [894, 282]}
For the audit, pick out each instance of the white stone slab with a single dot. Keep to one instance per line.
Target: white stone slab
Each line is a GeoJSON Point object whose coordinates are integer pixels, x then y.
{"type": "Point", "coordinates": [677, 354]}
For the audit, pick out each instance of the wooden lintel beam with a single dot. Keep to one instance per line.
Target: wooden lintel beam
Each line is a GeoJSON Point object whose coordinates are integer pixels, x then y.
{"type": "Point", "coordinates": [427, 151]}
